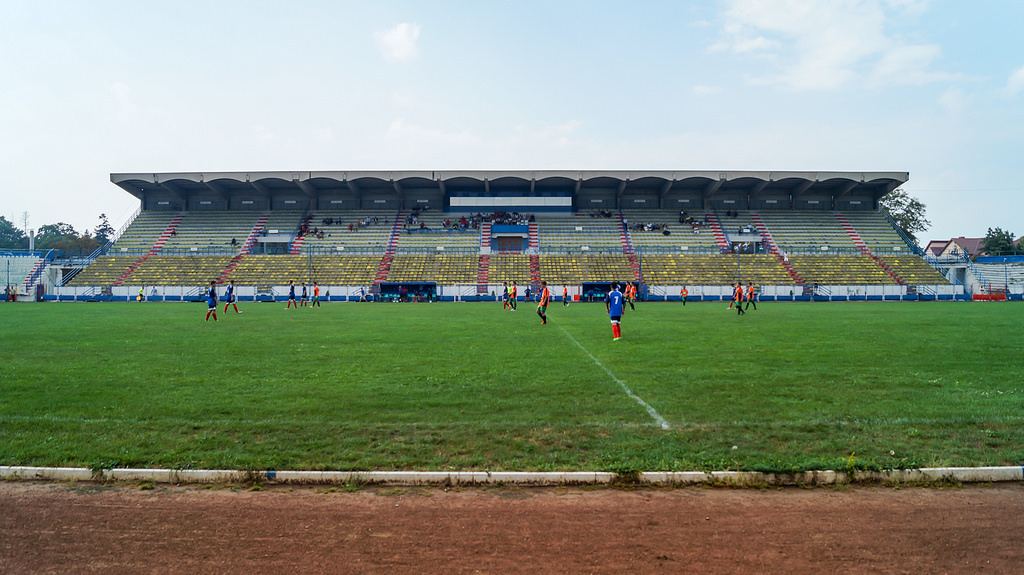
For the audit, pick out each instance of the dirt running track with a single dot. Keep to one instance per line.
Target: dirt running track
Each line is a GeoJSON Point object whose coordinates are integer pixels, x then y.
{"type": "Point", "coordinates": [61, 528]}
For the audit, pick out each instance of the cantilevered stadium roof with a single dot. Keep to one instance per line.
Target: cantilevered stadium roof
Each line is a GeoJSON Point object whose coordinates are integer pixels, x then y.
{"type": "Point", "coordinates": [625, 182]}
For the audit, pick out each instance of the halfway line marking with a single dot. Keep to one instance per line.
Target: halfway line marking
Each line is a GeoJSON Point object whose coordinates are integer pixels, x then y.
{"type": "Point", "coordinates": [650, 410]}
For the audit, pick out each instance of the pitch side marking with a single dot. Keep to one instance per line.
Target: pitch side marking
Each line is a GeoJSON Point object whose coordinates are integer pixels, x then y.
{"type": "Point", "coordinates": [650, 410]}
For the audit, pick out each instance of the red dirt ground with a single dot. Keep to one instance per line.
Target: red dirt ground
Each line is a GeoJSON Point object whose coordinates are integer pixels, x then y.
{"type": "Point", "coordinates": [92, 528]}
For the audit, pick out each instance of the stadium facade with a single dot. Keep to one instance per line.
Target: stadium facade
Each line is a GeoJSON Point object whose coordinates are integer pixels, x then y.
{"type": "Point", "coordinates": [511, 190]}
{"type": "Point", "coordinates": [463, 234]}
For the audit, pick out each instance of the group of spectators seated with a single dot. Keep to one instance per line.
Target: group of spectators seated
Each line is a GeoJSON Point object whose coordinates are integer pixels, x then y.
{"type": "Point", "coordinates": [471, 222]}
{"type": "Point", "coordinates": [506, 218]}
{"type": "Point", "coordinates": [695, 224]}
{"type": "Point", "coordinates": [306, 228]}
{"type": "Point", "coordinates": [651, 227]}
{"type": "Point", "coordinates": [601, 214]}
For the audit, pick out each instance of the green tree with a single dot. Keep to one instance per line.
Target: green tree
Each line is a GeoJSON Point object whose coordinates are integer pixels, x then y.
{"type": "Point", "coordinates": [998, 242]}
{"type": "Point", "coordinates": [104, 231]}
{"type": "Point", "coordinates": [62, 236]}
{"type": "Point", "coordinates": [908, 212]}
{"type": "Point", "coordinates": [11, 237]}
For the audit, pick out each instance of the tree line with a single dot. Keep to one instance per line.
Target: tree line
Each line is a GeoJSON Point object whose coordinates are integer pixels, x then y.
{"type": "Point", "coordinates": [58, 236]}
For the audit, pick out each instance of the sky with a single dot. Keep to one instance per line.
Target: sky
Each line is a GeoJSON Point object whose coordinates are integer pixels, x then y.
{"type": "Point", "coordinates": [935, 88]}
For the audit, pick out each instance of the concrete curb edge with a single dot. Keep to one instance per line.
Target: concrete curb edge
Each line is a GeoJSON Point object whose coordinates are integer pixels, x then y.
{"type": "Point", "coordinates": [539, 478]}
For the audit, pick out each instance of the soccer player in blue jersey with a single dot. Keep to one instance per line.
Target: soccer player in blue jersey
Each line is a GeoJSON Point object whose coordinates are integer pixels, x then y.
{"type": "Point", "coordinates": [305, 295]}
{"type": "Point", "coordinates": [229, 298]}
{"type": "Point", "coordinates": [291, 296]}
{"type": "Point", "coordinates": [614, 304]}
{"type": "Point", "coordinates": [211, 302]}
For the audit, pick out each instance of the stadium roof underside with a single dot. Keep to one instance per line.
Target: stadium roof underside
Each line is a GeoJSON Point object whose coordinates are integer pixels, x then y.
{"type": "Point", "coordinates": [618, 185]}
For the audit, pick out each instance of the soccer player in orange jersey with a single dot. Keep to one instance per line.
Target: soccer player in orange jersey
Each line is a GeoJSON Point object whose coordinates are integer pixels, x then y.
{"type": "Point", "coordinates": [683, 294]}
{"type": "Point", "coordinates": [542, 305]}
{"type": "Point", "coordinates": [630, 295]}
{"type": "Point", "coordinates": [751, 296]}
{"type": "Point", "coordinates": [565, 296]}
{"type": "Point", "coordinates": [316, 296]}
{"type": "Point", "coordinates": [512, 294]}
{"type": "Point", "coordinates": [737, 298]}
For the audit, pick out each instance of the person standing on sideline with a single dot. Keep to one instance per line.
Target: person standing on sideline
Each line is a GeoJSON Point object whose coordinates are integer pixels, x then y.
{"type": "Point", "coordinates": [211, 302]}
{"type": "Point", "coordinates": [542, 305]}
{"type": "Point", "coordinates": [614, 304]}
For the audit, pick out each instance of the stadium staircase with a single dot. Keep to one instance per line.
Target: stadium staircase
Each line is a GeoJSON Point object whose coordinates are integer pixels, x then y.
{"type": "Point", "coordinates": [716, 230]}
{"type": "Point", "coordinates": [534, 237]}
{"type": "Point", "coordinates": [864, 249]}
{"type": "Point", "coordinates": [250, 241]}
{"type": "Point", "coordinates": [384, 268]}
{"type": "Point", "coordinates": [534, 268]}
{"type": "Point", "coordinates": [34, 274]}
{"type": "Point", "coordinates": [296, 247]}
{"type": "Point", "coordinates": [627, 247]}
{"type": "Point", "coordinates": [773, 248]}
{"type": "Point", "coordinates": [483, 264]}
{"type": "Point", "coordinates": [155, 249]}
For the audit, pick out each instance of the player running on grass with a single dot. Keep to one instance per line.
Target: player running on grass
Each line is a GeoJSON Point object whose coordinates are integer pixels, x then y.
{"type": "Point", "coordinates": [683, 294]}
{"type": "Point", "coordinates": [613, 302]}
{"type": "Point", "coordinates": [737, 298]}
{"type": "Point", "coordinates": [291, 296]}
{"type": "Point", "coordinates": [542, 305]}
{"type": "Point", "coordinates": [230, 299]}
{"type": "Point", "coordinates": [211, 302]}
{"type": "Point", "coordinates": [751, 296]}
{"type": "Point", "coordinates": [630, 295]}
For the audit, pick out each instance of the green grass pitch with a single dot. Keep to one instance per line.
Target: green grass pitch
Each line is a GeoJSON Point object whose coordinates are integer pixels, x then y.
{"type": "Point", "coordinates": [468, 386]}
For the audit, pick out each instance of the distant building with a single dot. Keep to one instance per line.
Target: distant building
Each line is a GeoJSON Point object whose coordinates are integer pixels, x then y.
{"type": "Point", "coordinates": [955, 247]}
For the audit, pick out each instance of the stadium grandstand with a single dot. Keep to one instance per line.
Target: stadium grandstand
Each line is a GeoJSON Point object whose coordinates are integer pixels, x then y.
{"type": "Point", "coordinates": [462, 234]}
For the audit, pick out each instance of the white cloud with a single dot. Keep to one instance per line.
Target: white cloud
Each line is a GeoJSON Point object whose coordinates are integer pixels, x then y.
{"type": "Point", "coordinates": [827, 44]}
{"type": "Point", "coordinates": [399, 43]}
{"type": "Point", "coordinates": [705, 90]}
{"type": "Point", "coordinates": [1015, 83]}
{"type": "Point", "coordinates": [953, 101]}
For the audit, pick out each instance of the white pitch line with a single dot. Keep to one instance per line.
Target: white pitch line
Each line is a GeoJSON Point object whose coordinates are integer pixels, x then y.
{"type": "Point", "coordinates": [650, 410]}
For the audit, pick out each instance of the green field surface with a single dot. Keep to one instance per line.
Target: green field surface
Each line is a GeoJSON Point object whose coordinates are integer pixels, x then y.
{"type": "Point", "coordinates": [467, 386]}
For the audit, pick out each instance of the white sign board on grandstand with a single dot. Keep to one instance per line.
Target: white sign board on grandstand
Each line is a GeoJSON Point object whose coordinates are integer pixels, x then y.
{"type": "Point", "coordinates": [510, 201]}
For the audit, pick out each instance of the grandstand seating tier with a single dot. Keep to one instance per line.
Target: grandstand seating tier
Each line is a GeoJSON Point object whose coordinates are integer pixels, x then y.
{"type": "Point", "coordinates": [369, 233]}
{"type": "Point", "coordinates": [326, 269]}
{"type": "Point", "coordinates": [840, 270]}
{"type": "Point", "coordinates": [713, 269]}
{"type": "Point", "coordinates": [914, 270]}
